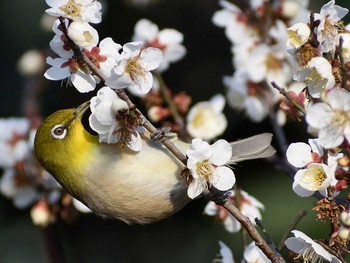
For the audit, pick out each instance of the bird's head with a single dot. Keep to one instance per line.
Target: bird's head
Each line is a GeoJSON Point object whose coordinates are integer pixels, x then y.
{"type": "Point", "coordinates": [62, 146]}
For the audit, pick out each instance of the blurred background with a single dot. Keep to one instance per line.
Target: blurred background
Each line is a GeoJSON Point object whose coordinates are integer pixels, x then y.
{"type": "Point", "coordinates": [188, 236]}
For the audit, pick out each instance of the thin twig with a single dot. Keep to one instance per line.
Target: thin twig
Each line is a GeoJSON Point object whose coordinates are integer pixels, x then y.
{"type": "Point", "coordinates": [267, 236]}
{"type": "Point", "coordinates": [292, 226]}
{"type": "Point", "coordinates": [171, 105]}
{"type": "Point", "coordinates": [285, 94]}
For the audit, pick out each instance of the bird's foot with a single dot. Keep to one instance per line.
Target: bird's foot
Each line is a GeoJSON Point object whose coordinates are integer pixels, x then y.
{"type": "Point", "coordinates": [161, 134]}
{"type": "Point", "coordinates": [217, 196]}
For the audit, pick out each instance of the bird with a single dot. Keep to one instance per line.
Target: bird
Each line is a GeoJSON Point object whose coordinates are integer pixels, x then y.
{"type": "Point", "coordinates": [114, 181]}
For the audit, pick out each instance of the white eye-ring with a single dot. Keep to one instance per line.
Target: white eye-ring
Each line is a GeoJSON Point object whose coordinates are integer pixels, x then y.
{"type": "Point", "coordinates": [59, 131]}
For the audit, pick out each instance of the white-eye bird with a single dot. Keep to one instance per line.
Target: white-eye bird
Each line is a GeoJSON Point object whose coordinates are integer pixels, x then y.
{"type": "Point", "coordinates": [134, 187]}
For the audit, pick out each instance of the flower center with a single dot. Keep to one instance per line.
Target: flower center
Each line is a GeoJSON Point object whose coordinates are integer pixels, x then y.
{"type": "Point", "coordinates": [134, 68]}
{"type": "Point", "coordinates": [205, 170]}
{"type": "Point", "coordinates": [71, 9]}
{"type": "Point", "coordinates": [340, 118]}
{"type": "Point", "coordinates": [309, 255]}
{"type": "Point", "coordinates": [330, 30]}
{"type": "Point", "coordinates": [313, 178]}
{"type": "Point", "coordinates": [295, 37]}
{"type": "Point", "coordinates": [316, 78]}
{"type": "Point", "coordinates": [272, 62]}
{"type": "Point", "coordinates": [200, 117]}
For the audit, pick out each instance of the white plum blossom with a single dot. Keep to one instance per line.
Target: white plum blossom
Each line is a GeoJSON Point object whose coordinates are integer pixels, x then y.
{"type": "Point", "coordinates": [298, 35]}
{"type": "Point", "coordinates": [77, 10]}
{"type": "Point", "coordinates": [168, 40]}
{"type": "Point", "coordinates": [253, 254]}
{"type": "Point", "coordinates": [229, 17]}
{"type": "Point", "coordinates": [104, 57]}
{"type": "Point", "coordinates": [106, 108]}
{"type": "Point", "coordinates": [295, 10]}
{"type": "Point", "coordinates": [31, 62]}
{"type": "Point", "coordinates": [22, 195]}
{"type": "Point", "coordinates": [308, 250]}
{"type": "Point", "coordinates": [205, 119]}
{"type": "Point", "coordinates": [134, 66]}
{"type": "Point", "coordinates": [300, 154]}
{"type": "Point", "coordinates": [246, 96]}
{"type": "Point", "coordinates": [225, 253]}
{"type": "Point", "coordinates": [207, 166]}
{"type": "Point", "coordinates": [318, 76]}
{"type": "Point", "coordinates": [82, 34]}
{"type": "Point", "coordinates": [332, 119]}
{"type": "Point", "coordinates": [249, 206]}
{"type": "Point", "coordinates": [266, 63]}
{"type": "Point", "coordinates": [315, 175]}
{"type": "Point", "coordinates": [328, 29]}
{"type": "Point", "coordinates": [13, 141]}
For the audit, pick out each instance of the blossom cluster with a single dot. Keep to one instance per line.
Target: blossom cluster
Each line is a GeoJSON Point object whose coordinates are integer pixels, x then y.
{"type": "Point", "coordinates": [289, 63]}
{"type": "Point", "coordinates": [24, 181]}
{"type": "Point", "coordinates": [284, 48]}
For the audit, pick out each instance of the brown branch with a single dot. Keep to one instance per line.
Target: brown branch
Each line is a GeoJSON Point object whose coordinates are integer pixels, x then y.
{"type": "Point", "coordinates": [172, 107]}
{"type": "Point", "coordinates": [274, 256]}
{"type": "Point", "coordinates": [285, 94]}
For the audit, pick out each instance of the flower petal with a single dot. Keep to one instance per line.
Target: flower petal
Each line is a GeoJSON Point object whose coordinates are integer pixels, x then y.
{"type": "Point", "coordinates": [196, 187]}
{"type": "Point", "coordinates": [222, 152]}
{"type": "Point", "coordinates": [223, 178]}
{"type": "Point", "coordinates": [299, 154]}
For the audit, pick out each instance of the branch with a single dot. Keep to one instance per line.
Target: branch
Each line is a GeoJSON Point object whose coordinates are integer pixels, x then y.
{"type": "Point", "coordinates": [172, 107]}
{"type": "Point", "coordinates": [273, 255]}
{"type": "Point", "coordinates": [285, 94]}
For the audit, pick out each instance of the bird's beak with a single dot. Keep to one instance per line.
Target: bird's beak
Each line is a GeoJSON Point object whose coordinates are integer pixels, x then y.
{"type": "Point", "coordinates": [79, 111]}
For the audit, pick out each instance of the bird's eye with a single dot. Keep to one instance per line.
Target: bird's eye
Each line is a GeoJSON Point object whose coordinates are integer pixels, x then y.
{"type": "Point", "coordinates": [59, 131]}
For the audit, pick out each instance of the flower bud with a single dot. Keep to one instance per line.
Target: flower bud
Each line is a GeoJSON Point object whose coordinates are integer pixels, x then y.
{"type": "Point", "coordinates": [344, 233]}
{"type": "Point", "coordinates": [82, 34]}
{"type": "Point", "coordinates": [41, 214]}
{"type": "Point", "coordinates": [157, 113]}
{"type": "Point", "coordinates": [345, 218]}
{"type": "Point", "coordinates": [31, 62]}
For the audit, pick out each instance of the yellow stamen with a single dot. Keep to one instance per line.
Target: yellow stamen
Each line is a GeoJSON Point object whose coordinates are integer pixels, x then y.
{"type": "Point", "coordinates": [71, 9]}
{"type": "Point", "coordinates": [309, 255]}
{"type": "Point", "coordinates": [205, 170]}
{"type": "Point", "coordinates": [273, 63]}
{"type": "Point", "coordinates": [340, 118]}
{"type": "Point", "coordinates": [134, 68]}
{"type": "Point", "coordinates": [313, 178]}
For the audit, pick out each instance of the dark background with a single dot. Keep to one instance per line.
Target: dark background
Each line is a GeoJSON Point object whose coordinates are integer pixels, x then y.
{"type": "Point", "coordinates": [188, 236]}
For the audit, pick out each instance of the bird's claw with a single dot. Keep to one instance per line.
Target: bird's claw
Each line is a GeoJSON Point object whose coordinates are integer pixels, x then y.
{"type": "Point", "coordinates": [217, 196]}
{"type": "Point", "coordinates": [160, 134]}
